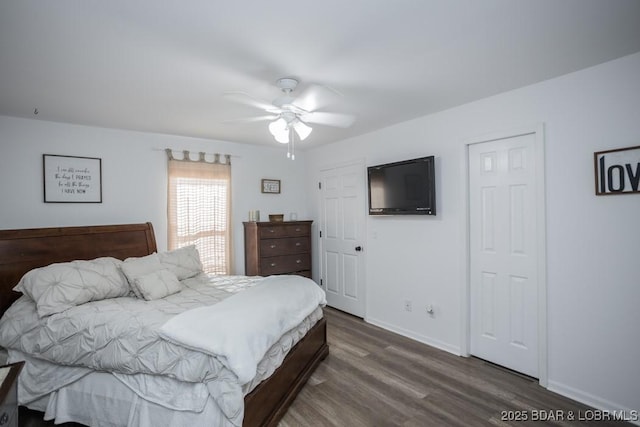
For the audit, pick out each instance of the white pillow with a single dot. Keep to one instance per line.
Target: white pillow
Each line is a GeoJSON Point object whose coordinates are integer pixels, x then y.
{"type": "Point", "coordinates": [183, 262]}
{"type": "Point", "coordinates": [144, 272]}
{"type": "Point", "coordinates": [157, 284]}
{"type": "Point", "coordinates": [58, 287]}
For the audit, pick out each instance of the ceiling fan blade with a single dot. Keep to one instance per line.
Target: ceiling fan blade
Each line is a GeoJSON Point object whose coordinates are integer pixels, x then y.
{"type": "Point", "coordinates": [316, 96]}
{"type": "Point", "coordinates": [330, 119]}
{"type": "Point", "coordinates": [251, 119]}
{"type": "Point", "coordinates": [246, 99]}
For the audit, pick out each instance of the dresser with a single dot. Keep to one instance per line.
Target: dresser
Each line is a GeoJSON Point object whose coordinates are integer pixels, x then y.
{"type": "Point", "coordinates": [9, 394]}
{"type": "Point", "coordinates": [277, 248]}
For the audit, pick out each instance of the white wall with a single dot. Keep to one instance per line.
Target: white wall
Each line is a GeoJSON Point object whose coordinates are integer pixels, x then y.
{"type": "Point", "coordinates": [593, 273]}
{"type": "Point", "coordinates": [134, 179]}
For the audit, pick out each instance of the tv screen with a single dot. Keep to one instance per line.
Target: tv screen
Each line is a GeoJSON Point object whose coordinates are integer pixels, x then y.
{"type": "Point", "coordinates": [403, 188]}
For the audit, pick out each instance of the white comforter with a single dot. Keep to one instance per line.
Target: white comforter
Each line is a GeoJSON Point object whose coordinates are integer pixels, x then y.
{"type": "Point", "coordinates": [260, 316]}
{"type": "Point", "coordinates": [121, 335]}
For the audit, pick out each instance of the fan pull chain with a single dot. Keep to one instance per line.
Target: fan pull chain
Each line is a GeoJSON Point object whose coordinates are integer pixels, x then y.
{"type": "Point", "coordinates": [291, 147]}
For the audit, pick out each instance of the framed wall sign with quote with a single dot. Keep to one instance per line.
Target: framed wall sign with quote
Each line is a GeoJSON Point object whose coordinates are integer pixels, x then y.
{"type": "Point", "coordinates": [617, 171]}
{"type": "Point", "coordinates": [71, 179]}
{"type": "Point", "coordinates": [271, 186]}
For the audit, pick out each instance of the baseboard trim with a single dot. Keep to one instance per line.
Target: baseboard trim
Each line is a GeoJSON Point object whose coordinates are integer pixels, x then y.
{"type": "Point", "coordinates": [441, 345]}
{"type": "Point", "coordinates": [593, 401]}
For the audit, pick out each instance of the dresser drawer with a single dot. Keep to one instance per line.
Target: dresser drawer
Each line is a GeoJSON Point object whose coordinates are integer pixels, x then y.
{"type": "Point", "coordinates": [278, 231]}
{"type": "Point", "coordinates": [286, 246]}
{"type": "Point", "coordinates": [285, 264]}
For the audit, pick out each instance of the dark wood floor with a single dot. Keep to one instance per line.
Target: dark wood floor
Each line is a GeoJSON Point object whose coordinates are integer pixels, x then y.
{"type": "Point", "coordinates": [373, 377]}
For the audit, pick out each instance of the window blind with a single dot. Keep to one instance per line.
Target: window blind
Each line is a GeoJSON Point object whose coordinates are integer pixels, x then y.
{"type": "Point", "coordinates": [199, 205]}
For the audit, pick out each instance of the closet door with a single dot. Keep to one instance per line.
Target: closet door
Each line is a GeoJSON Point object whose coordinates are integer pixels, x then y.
{"type": "Point", "coordinates": [503, 253]}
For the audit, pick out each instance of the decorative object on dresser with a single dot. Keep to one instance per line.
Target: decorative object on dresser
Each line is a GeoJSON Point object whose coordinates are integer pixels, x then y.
{"type": "Point", "coordinates": [276, 217]}
{"type": "Point", "coordinates": [9, 394]}
{"type": "Point", "coordinates": [254, 215]}
{"type": "Point", "coordinates": [277, 248]}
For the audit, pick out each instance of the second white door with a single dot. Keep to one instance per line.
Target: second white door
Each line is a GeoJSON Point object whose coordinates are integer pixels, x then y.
{"type": "Point", "coordinates": [342, 222]}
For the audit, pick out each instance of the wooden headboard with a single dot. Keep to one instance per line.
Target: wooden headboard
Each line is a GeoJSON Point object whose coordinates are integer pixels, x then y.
{"type": "Point", "coordinates": [26, 249]}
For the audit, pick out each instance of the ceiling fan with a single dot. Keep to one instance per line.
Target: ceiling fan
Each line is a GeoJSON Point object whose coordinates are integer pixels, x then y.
{"type": "Point", "coordinates": [290, 115]}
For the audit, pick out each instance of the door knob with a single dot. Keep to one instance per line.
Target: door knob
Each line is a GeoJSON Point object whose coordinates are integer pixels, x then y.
{"type": "Point", "coordinates": [358, 248]}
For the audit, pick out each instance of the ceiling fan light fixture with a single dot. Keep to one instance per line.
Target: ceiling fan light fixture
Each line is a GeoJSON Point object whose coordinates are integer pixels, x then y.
{"type": "Point", "coordinates": [302, 129]}
{"type": "Point", "coordinates": [287, 110]}
{"type": "Point", "coordinates": [278, 126]}
{"type": "Point", "coordinates": [280, 130]}
{"type": "Point", "coordinates": [282, 138]}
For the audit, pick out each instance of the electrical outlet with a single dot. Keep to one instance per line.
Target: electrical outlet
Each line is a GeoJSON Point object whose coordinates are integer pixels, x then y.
{"type": "Point", "coordinates": [407, 305]}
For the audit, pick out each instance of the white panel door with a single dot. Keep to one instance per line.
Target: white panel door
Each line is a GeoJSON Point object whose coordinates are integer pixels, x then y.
{"type": "Point", "coordinates": [503, 253]}
{"type": "Point", "coordinates": [341, 227]}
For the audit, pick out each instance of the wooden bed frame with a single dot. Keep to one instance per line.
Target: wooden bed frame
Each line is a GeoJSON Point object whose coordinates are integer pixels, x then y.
{"type": "Point", "coordinates": [23, 250]}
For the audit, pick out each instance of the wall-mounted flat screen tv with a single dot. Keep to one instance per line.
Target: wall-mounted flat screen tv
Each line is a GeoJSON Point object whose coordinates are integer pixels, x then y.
{"type": "Point", "coordinates": [403, 188]}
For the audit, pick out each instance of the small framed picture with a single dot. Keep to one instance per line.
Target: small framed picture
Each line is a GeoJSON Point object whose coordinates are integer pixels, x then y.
{"type": "Point", "coordinates": [271, 186]}
{"type": "Point", "coordinates": [72, 179]}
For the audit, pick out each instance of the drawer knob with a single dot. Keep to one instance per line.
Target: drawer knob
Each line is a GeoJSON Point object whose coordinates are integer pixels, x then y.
{"type": "Point", "coordinates": [298, 261]}
{"type": "Point", "coordinates": [272, 246]}
{"type": "Point", "coordinates": [297, 230]}
{"type": "Point", "coordinates": [271, 230]}
{"type": "Point", "coordinates": [273, 264]}
{"type": "Point", "coordinates": [298, 243]}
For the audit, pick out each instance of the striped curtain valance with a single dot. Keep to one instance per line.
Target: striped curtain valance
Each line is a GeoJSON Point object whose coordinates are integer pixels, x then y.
{"type": "Point", "coordinates": [186, 157]}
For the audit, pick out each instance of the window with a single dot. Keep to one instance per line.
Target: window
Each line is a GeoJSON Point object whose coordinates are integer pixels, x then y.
{"type": "Point", "coordinates": [199, 201]}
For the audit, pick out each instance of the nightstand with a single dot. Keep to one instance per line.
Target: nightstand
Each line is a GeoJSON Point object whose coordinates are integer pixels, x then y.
{"type": "Point", "coordinates": [9, 394]}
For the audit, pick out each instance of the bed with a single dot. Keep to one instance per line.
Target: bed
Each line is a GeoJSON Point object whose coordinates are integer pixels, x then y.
{"type": "Point", "coordinates": [26, 249]}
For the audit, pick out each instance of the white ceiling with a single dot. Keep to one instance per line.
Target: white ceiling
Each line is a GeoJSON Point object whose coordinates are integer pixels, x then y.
{"type": "Point", "coordinates": [162, 66]}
